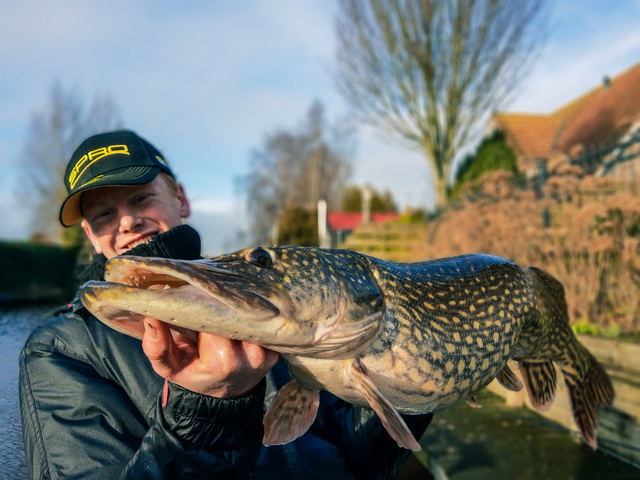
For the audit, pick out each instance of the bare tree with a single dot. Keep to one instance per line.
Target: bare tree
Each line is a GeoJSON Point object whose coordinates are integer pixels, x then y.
{"type": "Point", "coordinates": [53, 135]}
{"type": "Point", "coordinates": [431, 71]}
{"type": "Point", "coordinates": [296, 168]}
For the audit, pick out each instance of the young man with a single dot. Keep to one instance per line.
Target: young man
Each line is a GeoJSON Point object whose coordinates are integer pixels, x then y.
{"type": "Point", "coordinates": [99, 404]}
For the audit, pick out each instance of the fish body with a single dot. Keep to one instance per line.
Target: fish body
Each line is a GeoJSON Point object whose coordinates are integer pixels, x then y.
{"type": "Point", "coordinates": [406, 338]}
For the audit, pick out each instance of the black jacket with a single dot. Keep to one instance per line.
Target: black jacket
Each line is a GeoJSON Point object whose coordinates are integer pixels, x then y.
{"type": "Point", "coordinates": [91, 409]}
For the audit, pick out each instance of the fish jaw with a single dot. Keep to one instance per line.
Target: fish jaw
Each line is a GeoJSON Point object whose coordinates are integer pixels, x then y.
{"type": "Point", "coordinates": [169, 274]}
{"type": "Point", "coordinates": [177, 293]}
{"type": "Point", "coordinates": [123, 308]}
{"type": "Point", "coordinates": [200, 296]}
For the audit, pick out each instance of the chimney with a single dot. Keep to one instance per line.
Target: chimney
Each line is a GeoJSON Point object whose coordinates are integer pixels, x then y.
{"type": "Point", "coordinates": [366, 204]}
{"type": "Point", "coordinates": [324, 240]}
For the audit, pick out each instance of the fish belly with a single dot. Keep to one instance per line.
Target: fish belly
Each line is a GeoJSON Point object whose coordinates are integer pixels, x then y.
{"type": "Point", "coordinates": [326, 374]}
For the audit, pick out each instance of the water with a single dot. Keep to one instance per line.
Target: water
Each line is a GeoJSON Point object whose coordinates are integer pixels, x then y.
{"type": "Point", "coordinates": [15, 326]}
{"type": "Point", "coordinates": [497, 441]}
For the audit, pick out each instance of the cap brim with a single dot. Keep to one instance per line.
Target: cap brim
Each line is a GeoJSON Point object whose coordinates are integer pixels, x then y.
{"type": "Point", "coordinates": [70, 211]}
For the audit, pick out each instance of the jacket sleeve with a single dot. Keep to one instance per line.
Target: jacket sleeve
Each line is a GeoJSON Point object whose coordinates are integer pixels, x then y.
{"type": "Point", "coordinates": [80, 424]}
{"type": "Point", "coordinates": [356, 430]}
{"type": "Point", "coordinates": [195, 436]}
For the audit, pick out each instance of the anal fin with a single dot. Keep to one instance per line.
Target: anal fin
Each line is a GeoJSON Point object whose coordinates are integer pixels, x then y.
{"type": "Point", "coordinates": [540, 379]}
{"type": "Point", "coordinates": [291, 413]}
{"type": "Point", "coordinates": [389, 416]}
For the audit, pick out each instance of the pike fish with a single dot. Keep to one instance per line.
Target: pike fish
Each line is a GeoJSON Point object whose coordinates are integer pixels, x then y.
{"type": "Point", "coordinates": [400, 338]}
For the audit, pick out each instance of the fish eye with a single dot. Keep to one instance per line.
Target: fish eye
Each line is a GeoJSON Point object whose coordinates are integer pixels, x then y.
{"type": "Point", "coordinates": [260, 257]}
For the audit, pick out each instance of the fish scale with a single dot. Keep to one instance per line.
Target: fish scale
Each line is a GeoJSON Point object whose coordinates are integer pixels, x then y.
{"type": "Point", "coordinates": [400, 338]}
{"type": "Point", "coordinates": [473, 352]}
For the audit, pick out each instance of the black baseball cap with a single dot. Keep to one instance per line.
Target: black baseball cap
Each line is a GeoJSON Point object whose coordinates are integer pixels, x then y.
{"type": "Point", "coordinates": [107, 159]}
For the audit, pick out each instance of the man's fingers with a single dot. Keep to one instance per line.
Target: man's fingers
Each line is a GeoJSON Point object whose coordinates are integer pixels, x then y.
{"type": "Point", "coordinates": [214, 348]}
{"type": "Point", "coordinates": [211, 365]}
{"type": "Point", "coordinates": [159, 347]}
{"type": "Point", "coordinates": [259, 357]}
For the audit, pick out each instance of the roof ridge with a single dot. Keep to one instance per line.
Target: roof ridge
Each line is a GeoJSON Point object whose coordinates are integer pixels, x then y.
{"type": "Point", "coordinates": [595, 116]}
{"type": "Point", "coordinates": [571, 105]}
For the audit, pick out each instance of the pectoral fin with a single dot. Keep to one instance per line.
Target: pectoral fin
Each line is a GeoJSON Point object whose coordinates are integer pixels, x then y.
{"type": "Point", "coordinates": [389, 416]}
{"type": "Point", "coordinates": [291, 413]}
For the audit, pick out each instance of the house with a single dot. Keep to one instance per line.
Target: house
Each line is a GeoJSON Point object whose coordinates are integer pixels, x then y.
{"type": "Point", "coordinates": [598, 131]}
{"type": "Point", "coordinates": [341, 224]}
{"type": "Point", "coordinates": [335, 227]}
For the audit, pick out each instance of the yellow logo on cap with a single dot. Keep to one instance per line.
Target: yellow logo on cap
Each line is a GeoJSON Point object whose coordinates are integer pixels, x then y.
{"type": "Point", "coordinates": [94, 179]}
{"type": "Point", "coordinates": [92, 157]}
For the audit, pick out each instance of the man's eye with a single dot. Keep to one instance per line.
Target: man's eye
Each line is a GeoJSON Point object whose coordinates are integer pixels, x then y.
{"type": "Point", "coordinates": [143, 198]}
{"type": "Point", "coordinates": [102, 215]}
{"type": "Point", "coordinates": [100, 219]}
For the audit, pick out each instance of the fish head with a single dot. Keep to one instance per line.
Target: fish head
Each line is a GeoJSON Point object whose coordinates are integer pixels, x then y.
{"type": "Point", "coordinates": [298, 300]}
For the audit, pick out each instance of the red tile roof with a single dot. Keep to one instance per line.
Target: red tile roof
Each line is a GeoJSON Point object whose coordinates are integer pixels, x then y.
{"type": "Point", "coordinates": [529, 134]}
{"type": "Point", "coordinates": [349, 221]}
{"type": "Point", "coordinates": [607, 113]}
{"type": "Point", "coordinates": [598, 117]}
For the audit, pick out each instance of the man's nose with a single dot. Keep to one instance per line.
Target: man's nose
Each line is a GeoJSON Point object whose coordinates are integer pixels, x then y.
{"type": "Point", "coordinates": [129, 221]}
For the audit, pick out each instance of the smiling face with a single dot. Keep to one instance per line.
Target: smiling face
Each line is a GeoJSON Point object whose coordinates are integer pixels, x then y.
{"type": "Point", "coordinates": [117, 218]}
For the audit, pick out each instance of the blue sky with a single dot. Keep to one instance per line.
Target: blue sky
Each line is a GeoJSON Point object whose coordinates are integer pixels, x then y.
{"type": "Point", "coordinates": [205, 81]}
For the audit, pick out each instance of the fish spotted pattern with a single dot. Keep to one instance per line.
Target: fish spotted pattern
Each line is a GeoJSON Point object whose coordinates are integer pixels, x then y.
{"type": "Point", "coordinates": [399, 338]}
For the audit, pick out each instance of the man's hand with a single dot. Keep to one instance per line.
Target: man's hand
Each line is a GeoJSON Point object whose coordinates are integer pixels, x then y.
{"type": "Point", "coordinates": [210, 365]}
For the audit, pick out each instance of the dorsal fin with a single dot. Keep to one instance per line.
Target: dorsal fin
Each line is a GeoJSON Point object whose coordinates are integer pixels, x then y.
{"type": "Point", "coordinates": [553, 286]}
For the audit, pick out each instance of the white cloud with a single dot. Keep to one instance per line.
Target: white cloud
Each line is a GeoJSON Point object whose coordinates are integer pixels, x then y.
{"type": "Point", "coordinates": [213, 205]}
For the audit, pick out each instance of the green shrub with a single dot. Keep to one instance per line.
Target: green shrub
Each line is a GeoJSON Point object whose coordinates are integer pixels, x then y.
{"type": "Point", "coordinates": [36, 271]}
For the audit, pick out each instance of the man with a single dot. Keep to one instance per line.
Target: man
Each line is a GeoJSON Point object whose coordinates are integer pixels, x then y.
{"type": "Point", "coordinates": [99, 404]}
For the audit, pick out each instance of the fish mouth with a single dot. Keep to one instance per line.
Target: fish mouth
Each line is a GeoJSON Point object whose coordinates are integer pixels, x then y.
{"type": "Point", "coordinates": [206, 296]}
{"type": "Point", "coordinates": [179, 293]}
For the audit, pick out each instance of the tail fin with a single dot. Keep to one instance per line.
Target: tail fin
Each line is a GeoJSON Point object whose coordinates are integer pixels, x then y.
{"type": "Point", "coordinates": [588, 384]}
{"type": "Point", "coordinates": [594, 391]}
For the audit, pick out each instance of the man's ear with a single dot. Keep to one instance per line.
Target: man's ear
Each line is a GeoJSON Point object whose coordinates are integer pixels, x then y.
{"type": "Point", "coordinates": [185, 208]}
{"type": "Point", "coordinates": [92, 238]}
